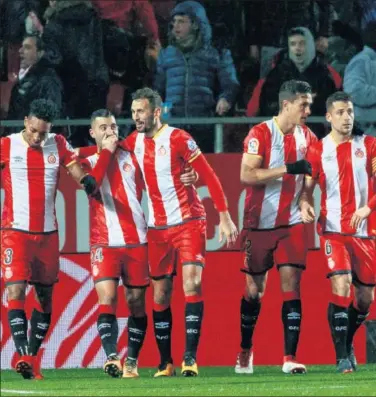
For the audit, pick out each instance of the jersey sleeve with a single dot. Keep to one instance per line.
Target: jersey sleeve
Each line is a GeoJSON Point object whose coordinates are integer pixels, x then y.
{"type": "Point", "coordinates": [128, 143]}
{"type": "Point", "coordinates": [186, 146]}
{"type": "Point", "coordinates": [66, 153]}
{"type": "Point", "coordinates": [254, 143]}
{"type": "Point", "coordinates": [314, 159]}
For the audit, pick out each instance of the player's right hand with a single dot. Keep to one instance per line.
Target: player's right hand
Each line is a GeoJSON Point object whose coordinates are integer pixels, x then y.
{"type": "Point", "coordinates": [299, 167]}
{"type": "Point", "coordinates": [307, 213]}
{"type": "Point", "coordinates": [109, 142]}
{"type": "Point", "coordinates": [227, 229]}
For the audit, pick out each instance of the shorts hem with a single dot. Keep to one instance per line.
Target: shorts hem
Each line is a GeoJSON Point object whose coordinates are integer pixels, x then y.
{"type": "Point", "coordinates": [168, 276]}
{"type": "Point", "coordinates": [256, 273]}
{"type": "Point", "coordinates": [356, 280]}
{"type": "Point", "coordinates": [15, 282]}
{"type": "Point", "coordinates": [40, 284]}
{"type": "Point", "coordinates": [338, 272]}
{"type": "Point", "coordinates": [106, 279]}
{"type": "Point", "coordinates": [136, 286]}
{"type": "Point", "coordinates": [295, 265]}
{"type": "Point", "coordinates": [193, 263]}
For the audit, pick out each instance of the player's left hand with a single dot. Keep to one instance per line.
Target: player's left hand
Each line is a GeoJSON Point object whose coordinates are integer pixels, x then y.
{"type": "Point", "coordinates": [359, 216]}
{"type": "Point", "coordinates": [222, 106]}
{"type": "Point", "coordinates": [190, 176]}
{"type": "Point", "coordinates": [227, 229]}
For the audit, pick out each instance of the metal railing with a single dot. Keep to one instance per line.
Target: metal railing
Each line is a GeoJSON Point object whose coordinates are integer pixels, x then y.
{"type": "Point", "coordinates": [218, 123]}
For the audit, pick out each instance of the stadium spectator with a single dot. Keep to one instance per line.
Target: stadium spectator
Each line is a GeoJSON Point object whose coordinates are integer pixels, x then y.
{"type": "Point", "coordinates": [299, 62]}
{"type": "Point", "coordinates": [176, 227]}
{"type": "Point", "coordinates": [368, 12]}
{"type": "Point", "coordinates": [188, 70]}
{"type": "Point", "coordinates": [74, 46]}
{"type": "Point", "coordinates": [273, 168]}
{"type": "Point", "coordinates": [345, 161]}
{"type": "Point", "coordinates": [360, 81]}
{"type": "Point", "coordinates": [30, 163]}
{"type": "Point", "coordinates": [268, 21]}
{"type": "Point", "coordinates": [35, 80]}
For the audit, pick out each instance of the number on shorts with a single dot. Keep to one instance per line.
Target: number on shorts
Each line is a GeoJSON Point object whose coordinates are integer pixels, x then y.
{"type": "Point", "coordinates": [8, 256]}
{"type": "Point", "coordinates": [98, 255]}
{"type": "Point", "coordinates": [248, 251]}
{"type": "Point", "coordinates": [328, 248]}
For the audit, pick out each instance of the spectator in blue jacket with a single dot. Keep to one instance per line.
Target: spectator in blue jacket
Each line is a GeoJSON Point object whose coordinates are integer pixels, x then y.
{"type": "Point", "coordinates": [360, 81]}
{"type": "Point", "coordinates": [196, 78]}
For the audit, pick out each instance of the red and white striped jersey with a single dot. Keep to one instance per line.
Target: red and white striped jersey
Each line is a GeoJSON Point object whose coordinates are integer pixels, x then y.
{"type": "Point", "coordinates": [162, 160]}
{"type": "Point", "coordinates": [30, 178]}
{"type": "Point", "coordinates": [275, 204]}
{"type": "Point", "coordinates": [344, 173]}
{"type": "Point", "coordinates": [116, 217]}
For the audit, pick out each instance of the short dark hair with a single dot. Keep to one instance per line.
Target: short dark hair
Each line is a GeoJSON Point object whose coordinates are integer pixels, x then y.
{"type": "Point", "coordinates": [295, 31]}
{"type": "Point", "coordinates": [338, 96]}
{"type": "Point", "coordinates": [100, 113]}
{"type": "Point", "coordinates": [44, 109]}
{"type": "Point", "coordinates": [152, 96]}
{"type": "Point", "coordinates": [290, 89]}
{"type": "Point", "coordinates": [38, 40]}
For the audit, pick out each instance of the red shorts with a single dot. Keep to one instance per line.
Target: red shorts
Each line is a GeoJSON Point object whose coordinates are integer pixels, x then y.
{"type": "Point", "coordinates": [348, 254]}
{"type": "Point", "coordinates": [286, 246]}
{"type": "Point", "coordinates": [29, 257]}
{"type": "Point", "coordinates": [183, 244]}
{"type": "Point", "coordinates": [111, 263]}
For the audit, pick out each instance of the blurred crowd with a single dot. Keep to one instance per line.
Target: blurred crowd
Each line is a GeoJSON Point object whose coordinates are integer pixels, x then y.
{"type": "Point", "coordinates": [206, 57]}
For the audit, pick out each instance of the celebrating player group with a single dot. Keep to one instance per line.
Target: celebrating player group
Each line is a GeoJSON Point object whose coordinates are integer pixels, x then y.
{"type": "Point", "coordinates": [281, 165]}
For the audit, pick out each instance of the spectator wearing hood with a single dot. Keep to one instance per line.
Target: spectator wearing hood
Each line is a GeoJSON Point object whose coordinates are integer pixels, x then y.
{"type": "Point", "coordinates": [360, 81]}
{"type": "Point", "coordinates": [196, 78]}
{"type": "Point", "coordinates": [74, 46]}
{"type": "Point", "coordinates": [298, 62]}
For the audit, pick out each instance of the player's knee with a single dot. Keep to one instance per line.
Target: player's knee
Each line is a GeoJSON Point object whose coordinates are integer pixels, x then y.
{"type": "Point", "coordinates": [136, 301]}
{"type": "Point", "coordinates": [16, 292]}
{"type": "Point", "coordinates": [364, 301]}
{"type": "Point", "coordinates": [253, 292]}
{"type": "Point", "coordinates": [107, 299]}
{"type": "Point", "coordinates": [192, 285]}
{"type": "Point", "coordinates": [162, 297]}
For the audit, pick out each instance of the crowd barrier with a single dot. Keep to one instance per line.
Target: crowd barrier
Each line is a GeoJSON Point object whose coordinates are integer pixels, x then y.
{"type": "Point", "coordinates": [218, 123]}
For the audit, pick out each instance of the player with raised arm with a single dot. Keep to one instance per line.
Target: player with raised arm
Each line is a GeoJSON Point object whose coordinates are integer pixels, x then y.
{"type": "Point", "coordinates": [30, 164]}
{"type": "Point", "coordinates": [117, 242]}
{"type": "Point", "coordinates": [344, 166]}
{"type": "Point", "coordinates": [273, 167]}
{"type": "Point", "coordinates": [176, 225]}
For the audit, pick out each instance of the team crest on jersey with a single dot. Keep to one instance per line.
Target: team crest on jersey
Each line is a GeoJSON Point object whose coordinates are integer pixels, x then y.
{"type": "Point", "coordinates": [192, 145]}
{"type": "Point", "coordinates": [331, 263]}
{"type": "Point", "coordinates": [51, 158]}
{"type": "Point", "coordinates": [95, 270]}
{"type": "Point", "coordinates": [127, 167]}
{"type": "Point", "coordinates": [8, 273]}
{"type": "Point", "coordinates": [162, 151]}
{"type": "Point", "coordinates": [253, 146]}
{"type": "Point", "coordinates": [359, 153]}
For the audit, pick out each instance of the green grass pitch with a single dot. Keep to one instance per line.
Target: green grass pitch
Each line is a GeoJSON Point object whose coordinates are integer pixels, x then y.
{"type": "Point", "coordinates": [212, 381]}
